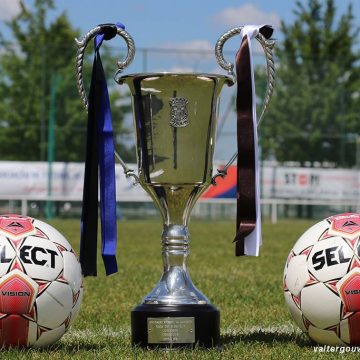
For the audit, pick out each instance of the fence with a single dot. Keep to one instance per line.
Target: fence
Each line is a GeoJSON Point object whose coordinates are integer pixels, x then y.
{"type": "Point", "coordinates": [205, 208]}
{"type": "Point", "coordinates": [287, 191]}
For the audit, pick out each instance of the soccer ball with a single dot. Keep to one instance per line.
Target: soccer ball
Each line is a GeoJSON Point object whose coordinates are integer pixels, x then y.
{"type": "Point", "coordinates": [322, 281]}
{"type": "Point", "coordinates": [40, 283]}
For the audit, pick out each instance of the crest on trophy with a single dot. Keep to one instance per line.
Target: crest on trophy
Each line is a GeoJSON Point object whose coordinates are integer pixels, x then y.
{"type": "Point", "coordinates": [178, 112]}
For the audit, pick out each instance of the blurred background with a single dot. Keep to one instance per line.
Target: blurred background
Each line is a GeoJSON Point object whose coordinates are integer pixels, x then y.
{"type": "Point", "coordinates": [309, 139]}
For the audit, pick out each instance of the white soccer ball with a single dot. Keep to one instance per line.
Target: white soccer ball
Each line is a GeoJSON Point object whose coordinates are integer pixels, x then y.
{"type": "Point", "coordinates": [40, 283]}
{"type": "Point", "coordinates": [322, 281]}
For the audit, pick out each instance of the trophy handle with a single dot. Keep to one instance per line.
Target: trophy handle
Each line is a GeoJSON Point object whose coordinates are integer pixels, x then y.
{"type": "Point", "coordinates": [127, 171]}
{"type": "Point", "coordinates": [104, 28]}
{"type": "Point", "coordinates": [81, 51]}
{"type": "Point", "coordinates": [267, 45]}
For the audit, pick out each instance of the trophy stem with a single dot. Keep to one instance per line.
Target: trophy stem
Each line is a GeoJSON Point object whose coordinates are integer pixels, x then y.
{"type": "Point", "coordinates": [175, 251]}
{"type": "Point", "coordinates": [176, 278]}
{"type": "Point", "coordinates": [175, 285]}
{"type": "Point", "coordinates": [175, 246]}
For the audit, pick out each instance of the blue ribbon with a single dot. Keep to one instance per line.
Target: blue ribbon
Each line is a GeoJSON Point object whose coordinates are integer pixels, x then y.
{"type": "Point", "coordinates": [99, 156]}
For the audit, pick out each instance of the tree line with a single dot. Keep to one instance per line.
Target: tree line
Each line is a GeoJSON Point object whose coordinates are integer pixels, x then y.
{"type": "Point", "coordinates": [38, 51]}
{"type": "Point", "coordinates": [313, 116]}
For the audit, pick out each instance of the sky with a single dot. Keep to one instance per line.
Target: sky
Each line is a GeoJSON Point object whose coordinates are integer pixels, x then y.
{"type": "Point", "coordinates": [185, 24]}
{"type": "Point", "coordinates": [190, 24]}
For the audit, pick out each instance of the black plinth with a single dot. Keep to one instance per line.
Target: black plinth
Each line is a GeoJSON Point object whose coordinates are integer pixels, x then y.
{"type": "Point", "coordinates": [176, 326]}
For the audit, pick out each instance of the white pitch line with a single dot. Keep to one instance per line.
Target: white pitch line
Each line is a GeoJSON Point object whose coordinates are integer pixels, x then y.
{"type": "Point", "coordinates": [107, 332]}
{"type": "Point", "coordinates": [272, 329]}
{"type": "Point", "coordinates": [103, 332]}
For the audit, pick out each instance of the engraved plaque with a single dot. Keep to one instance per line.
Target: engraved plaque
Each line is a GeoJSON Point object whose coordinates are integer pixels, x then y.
{"type": "Point", "coordinates": [178, 112]}
{"type": "Point", "coordinates": [175, 330]}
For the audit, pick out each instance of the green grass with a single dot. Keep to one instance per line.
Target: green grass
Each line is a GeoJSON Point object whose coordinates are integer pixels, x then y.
{"type": "Point", "coordinates": [255, 323]}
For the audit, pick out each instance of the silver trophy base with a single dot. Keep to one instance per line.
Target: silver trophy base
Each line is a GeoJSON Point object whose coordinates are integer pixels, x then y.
{"type": "Point", "coordinates": [175, 313]}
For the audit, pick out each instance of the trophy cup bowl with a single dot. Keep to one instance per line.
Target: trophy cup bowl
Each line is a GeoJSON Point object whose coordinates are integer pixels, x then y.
{"type": "Point", "coordinates": [175, 121]}
{"type": "Point", "coordinates": [175, 117]}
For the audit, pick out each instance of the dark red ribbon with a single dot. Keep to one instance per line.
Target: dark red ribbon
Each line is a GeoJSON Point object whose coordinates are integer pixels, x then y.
{"type": "Point", "coordinates": [246, 170]}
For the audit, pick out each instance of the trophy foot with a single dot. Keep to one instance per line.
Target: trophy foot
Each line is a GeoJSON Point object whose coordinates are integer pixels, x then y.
{"type": "Point", "coordinates": [175, 326]}
{"type": "Point", "coordinates": [175, 314]}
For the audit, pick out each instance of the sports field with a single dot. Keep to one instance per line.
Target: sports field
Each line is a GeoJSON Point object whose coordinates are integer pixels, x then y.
{"type": "Point", "coordinates": [254, 320]}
